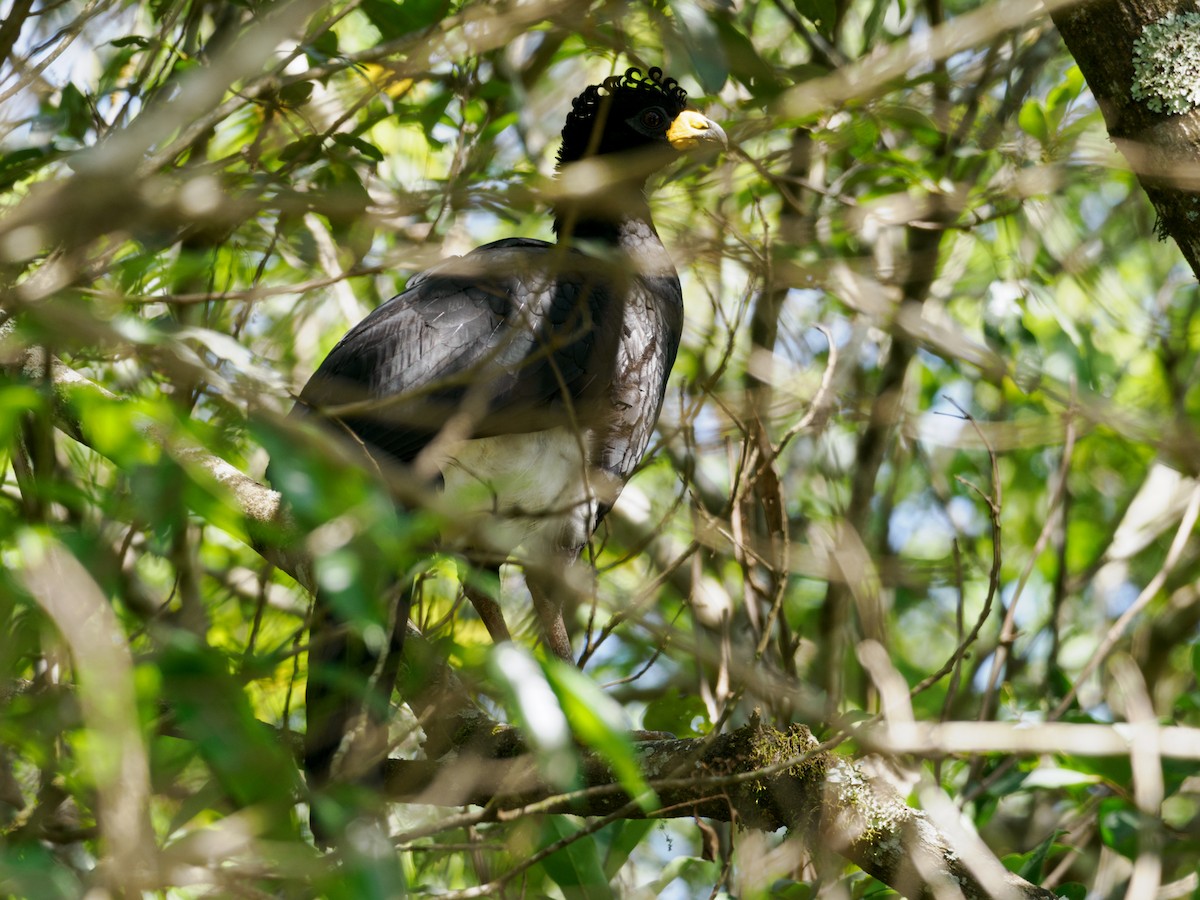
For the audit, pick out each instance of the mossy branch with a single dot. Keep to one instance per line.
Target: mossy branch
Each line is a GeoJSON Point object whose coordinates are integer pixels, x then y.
{"type": "Point", "coordinates": [756, 776]}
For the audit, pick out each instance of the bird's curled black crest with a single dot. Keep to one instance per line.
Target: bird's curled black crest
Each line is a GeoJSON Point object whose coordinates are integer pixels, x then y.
{"type": "Point", "coordinates": [585, 105]}
{"type": "Point", "coordinates": [653, 86]}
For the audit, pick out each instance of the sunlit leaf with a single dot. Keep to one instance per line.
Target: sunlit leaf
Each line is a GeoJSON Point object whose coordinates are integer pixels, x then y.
{"type": "Point", "coordinates": [600, 723]}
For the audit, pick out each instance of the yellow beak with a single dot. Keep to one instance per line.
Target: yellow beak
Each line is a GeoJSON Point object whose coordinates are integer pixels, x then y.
{"type": "Point", "coordinates": [691, 129]}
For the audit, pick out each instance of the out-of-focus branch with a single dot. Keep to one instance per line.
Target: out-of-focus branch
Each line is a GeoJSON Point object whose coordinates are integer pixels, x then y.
{"type": "Point", "coordinates": [104, 674]}
{"type": "Point", "coordinates": [259, 506]}
{"type": "Point", "coordinates": [936, 739]}
{"type": "Point", "coordinates": [875, 73]}
{"type": "Point", "coordinates": [120, 179]}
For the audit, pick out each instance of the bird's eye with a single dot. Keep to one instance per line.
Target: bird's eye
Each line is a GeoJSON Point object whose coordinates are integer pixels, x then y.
{"type": "Point", "coordinates": [654, 119]}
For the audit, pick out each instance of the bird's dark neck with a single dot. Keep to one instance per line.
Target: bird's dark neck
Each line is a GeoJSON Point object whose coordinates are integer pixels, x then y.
{"type": "Point", "coordinates": [631, 238]}
{"type": "Point", "coordinates": [588, 212]}
{"type": "Point", "coordinates": [614, 221]}
{"type": "Point", "coordinates": [615, 226]}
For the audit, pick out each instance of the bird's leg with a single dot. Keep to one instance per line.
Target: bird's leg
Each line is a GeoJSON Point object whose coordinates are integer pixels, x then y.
{"type": "Point", "coordinates": [550, 613]}
{"type": "Point", "coordinates": [548, 586]}
{"type": "Point", "coordinates": [489, 610]}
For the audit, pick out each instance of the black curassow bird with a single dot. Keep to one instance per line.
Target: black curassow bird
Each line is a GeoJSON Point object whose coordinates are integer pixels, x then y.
{"type": "Point", "coordinates": [527, 376]}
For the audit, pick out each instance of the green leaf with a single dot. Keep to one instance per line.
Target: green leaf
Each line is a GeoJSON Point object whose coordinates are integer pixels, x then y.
{"type": "Point", "coordinates": [323, 48]}
{"type": "Point", "coordinates": [877, 890]}
{"type": "Point", "coordinates": [675, 713]}
{"type": "Point", "coordinates": [1120, 826]}
{"type": "Point", "coordinates": [432, 111]}
{"type": "Point", "coordinates": [210, 708]}
{"type": "Point", "coordinates": [169, 756]}
{"type": "Point", "coordinates": [599, 722]}
{"type": "Point", "coordinates": [745, 62]}
{"type": "Point", "coordinates": [16, 401]}
{"type": "Point", "coordinates": [879, 8]}
{"type": "Point", "coordinates": [20, 164]}
{"type": "Point", "coordinates": [344, 200]}
{"type": "Point", "coordinates": [396, 19]}
{"type": "Point", "coordinates": [76, 110]}
{"type": "Point", "coordinates": [915, 122]}
{"type": "Point", "coordinates": [1032, 119]}
{"type": "Point", "coordinates": [538, 712]}
{"type": "Point", "coordinates": [1058, 777]}
{"type": "Point", "coordinates": [625, 837]}
{"type": "Point", "coordinates": [370, 151]}
{"type": "Point", "coordinates": [344, 194]}
{"type": "Point", "coordinates": [786, 889]}
{"type": "Point", "coordinates": [1072, 890]}
{"type": "Point", "coordinates": [702, 871]}
{"type": "Point", "coordinates": [29, 870]}
{"type": "Point", "coordinates": [296, 94]}
{"type": "Point", "coordinates": [576, 868]}
{"type": "Point", "coordinates": [703, 43]}
{"type": "Point", "coordinates": [369, 869]}
{"type": "Point", "coordinates": [1059, 99]}
{"type": "Point", "coordinates": [822, 13]}
{"type": "Point", "coordinates": [132, 40]}
{"type": "Point", "coordinates": [499, 123]}
{"type": "Point", "coordinates": [1031, 865]}
{"type": "Point", "coordinates": [304, 149]}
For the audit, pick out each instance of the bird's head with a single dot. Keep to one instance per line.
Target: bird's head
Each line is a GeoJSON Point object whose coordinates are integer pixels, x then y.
{"type": "Point", "coordinates": [634, 113]}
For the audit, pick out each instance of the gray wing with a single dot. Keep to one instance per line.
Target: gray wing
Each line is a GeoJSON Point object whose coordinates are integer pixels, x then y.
{"type": "Point", "coordinates": [508, 331]}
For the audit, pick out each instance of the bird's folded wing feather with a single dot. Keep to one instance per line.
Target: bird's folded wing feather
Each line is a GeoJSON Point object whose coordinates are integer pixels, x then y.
{"type": "Point", "coordinates": [505, 333]}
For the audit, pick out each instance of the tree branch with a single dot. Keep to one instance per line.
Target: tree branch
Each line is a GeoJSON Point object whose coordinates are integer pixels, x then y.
{"type": "Point", "coordinates": [757, 776]}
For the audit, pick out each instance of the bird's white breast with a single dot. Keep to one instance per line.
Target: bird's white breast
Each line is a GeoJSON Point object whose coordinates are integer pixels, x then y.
{"type": "Point", "coordinates": [533, 491]}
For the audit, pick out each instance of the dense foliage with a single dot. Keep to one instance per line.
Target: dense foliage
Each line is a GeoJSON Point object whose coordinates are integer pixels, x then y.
{"type": "Point", "coordinates": [937, 395]}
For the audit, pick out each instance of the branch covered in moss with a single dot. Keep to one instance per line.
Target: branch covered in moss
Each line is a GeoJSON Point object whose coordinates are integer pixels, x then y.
{"type": "Point", "coordinates": [756, 776]}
